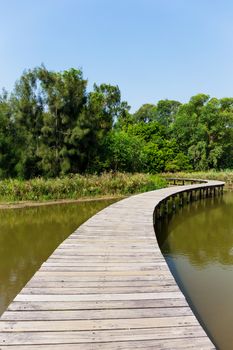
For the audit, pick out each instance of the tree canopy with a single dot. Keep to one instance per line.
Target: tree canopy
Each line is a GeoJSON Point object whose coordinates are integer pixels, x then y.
{"type": "Point", "coordinates": [50, 125]}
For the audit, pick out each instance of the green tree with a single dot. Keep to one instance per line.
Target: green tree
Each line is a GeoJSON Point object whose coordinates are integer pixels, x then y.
{"type": "Point", "coordinates": [122, 152]}
{"type": "Point", "coordinates": [166, 111]}
{"type": "Point", "coordinates": [158, 150]}
{"type": "Point", "coordinates": [179, 163]}
{"type": "Point", "coordinates": [27, 115]}
{"type": "Point", "coordinates": [146, 113]}
{"type": "Point", "coordinates": [103, 108]}
{"type": "Point", "coordinates": [9, 139]}
{"type": "Point", "coordinates": [64, 98]}
{"type": "Point", "coordinates": [203, 130]}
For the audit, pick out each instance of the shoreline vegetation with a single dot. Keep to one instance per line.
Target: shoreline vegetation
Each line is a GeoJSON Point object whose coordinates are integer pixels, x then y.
{"type": "Point", "coordinates": [15, 193]}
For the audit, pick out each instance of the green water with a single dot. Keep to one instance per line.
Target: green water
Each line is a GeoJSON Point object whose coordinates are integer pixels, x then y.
{"type": "Point", "coordinates": [29, 236]}
{"type": "Point", "coordinates": [197, 243]}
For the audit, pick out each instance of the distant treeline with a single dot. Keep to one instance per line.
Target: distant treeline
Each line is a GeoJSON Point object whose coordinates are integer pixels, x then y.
{"type": "Point", "coordinates": [51, 126]}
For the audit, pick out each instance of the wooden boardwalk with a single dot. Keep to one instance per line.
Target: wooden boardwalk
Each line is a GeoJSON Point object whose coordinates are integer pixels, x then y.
{"type": "Point", "coordinates": [106, 287]}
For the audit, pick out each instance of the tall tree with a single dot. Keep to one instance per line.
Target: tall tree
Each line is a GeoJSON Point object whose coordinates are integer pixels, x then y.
{"type": "Point", "coordinates": [9, 139]}
{"type": "Point", "coordinates": [27, 114]}
{"type": "Point", "coordinates": [166, 111]}
{"type": "Point", "coordinates": [203, 129]}
{"type": "Point", "coordinates": [104, 107]}
{"type": "Point", "coordinates": [64, 97]}
{"type": "Point", "coordinates": [146, 113]}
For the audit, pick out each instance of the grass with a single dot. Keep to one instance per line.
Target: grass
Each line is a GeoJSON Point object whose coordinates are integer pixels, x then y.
{"type": "Point", "coordinates": [226, 176]}
{"type": "Point", "coordinates": [78, 187]}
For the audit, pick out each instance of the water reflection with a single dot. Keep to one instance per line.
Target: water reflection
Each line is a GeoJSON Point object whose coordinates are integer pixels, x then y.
{"type": "Point", "coordinates": [197, 243]}
{"type": "Point", "coordinates": [29, 236]}
{"type": "Point", "coordinates": [202, 231]}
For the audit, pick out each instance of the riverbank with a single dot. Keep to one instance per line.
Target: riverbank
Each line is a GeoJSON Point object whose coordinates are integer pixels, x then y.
{"type": "Point", "coordinates": [20, 193]}
{"type": "Point", "coordinates": [29, 204]}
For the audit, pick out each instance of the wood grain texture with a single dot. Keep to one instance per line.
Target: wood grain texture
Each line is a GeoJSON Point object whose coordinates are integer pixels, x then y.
{"type": "Point", "coordinates": [106, 287]}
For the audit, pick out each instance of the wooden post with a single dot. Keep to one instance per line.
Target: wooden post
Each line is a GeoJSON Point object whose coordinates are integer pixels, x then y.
{"type": "Point", "coordinates": [166, 206]}
{"type": "Point", "coordinates": [191, 196]}
{"type": "Point", "coordinates": [196, 195]}
{"type": "Point", "coordinates": [174, 203]}
{"type": "Point", "coordinates": [181, 199]}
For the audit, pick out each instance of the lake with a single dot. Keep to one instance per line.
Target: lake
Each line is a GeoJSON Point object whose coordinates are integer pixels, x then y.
{"type": "Point", "coordinates": [197, 243]}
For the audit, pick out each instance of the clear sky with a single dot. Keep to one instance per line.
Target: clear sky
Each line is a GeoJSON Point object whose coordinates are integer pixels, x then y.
{"type": "Point", "coordinates": [153, 49]}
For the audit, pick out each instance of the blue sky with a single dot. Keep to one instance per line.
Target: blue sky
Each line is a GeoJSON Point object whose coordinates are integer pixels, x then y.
{"type": "Point", "coordinates": [153, 49]}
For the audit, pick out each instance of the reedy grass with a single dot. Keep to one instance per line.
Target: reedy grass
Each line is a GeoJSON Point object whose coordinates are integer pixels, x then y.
{"type": "Point", "coordinates": [78, 187]}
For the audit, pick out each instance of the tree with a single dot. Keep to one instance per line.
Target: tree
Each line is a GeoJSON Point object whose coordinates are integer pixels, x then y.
{"type": "Point", "coordinates": [158, 150]}
{"type": "Point", "coordinates": [203, 130]}
{"type": "Point", "coordinates": [179, 163]}
{"type": "Point", "coordinates": [146, 113]}
{"type": "Point", "coordinates": [166, 112]}
{"type": "Point", "coordinates": [27, 115]}
{"type": "Point", "coordinates": [121, 152]}
{"type": "Point", "coordinates": [64, 97]}
{"type": "Point", "coordinates": [9, 139]}
{"type": "Point", "coordinates": [103, 108]}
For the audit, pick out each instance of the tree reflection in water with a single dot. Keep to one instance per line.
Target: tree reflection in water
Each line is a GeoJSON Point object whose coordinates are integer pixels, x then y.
{"type": "Point", "coordinates": [201, 231]}
{"type": "Point", "coordinates": [197, 243]}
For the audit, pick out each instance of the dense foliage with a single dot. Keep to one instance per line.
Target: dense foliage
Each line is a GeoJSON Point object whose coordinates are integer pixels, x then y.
{"type": "Point", "coordinates": [50, 126]}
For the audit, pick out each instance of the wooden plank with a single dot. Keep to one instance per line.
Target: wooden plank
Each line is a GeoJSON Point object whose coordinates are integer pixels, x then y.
{"type": "Point", "coordinates": [117, 267]}
{"type": "Point", "coordinates": [106, 268]}
{"type": "Point", "coordinates": [88, 325]}
{"type": "Point", "coordinates": [77, 337]}
{"type": "Point", "coordinates": [93, 314]}
{"type": "Point", "coordinates": [99, 289]}
{"type": "Point", "coordinates": [200, 343]}
{"type": "Point", "coordinates": [43, 276]}
{"type": "Point", "coordinates": [102, 273]}
{"type": "Point", "coordinates": [80, 284]}
{"type": "Point", "coordinates": [95, 305]}
{"type": "Point", "coordinates": [98, 297]}
{"type": "Point", "coordinates": [108, 264]}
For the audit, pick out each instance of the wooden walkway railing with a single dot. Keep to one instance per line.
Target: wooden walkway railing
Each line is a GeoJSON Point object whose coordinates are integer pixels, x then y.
{"type": "Point", "coordinates": [107, 287]}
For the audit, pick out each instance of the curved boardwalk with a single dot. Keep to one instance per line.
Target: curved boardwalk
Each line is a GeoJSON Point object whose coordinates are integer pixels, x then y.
{"type": "Point", "coordinates": [106, 287]}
